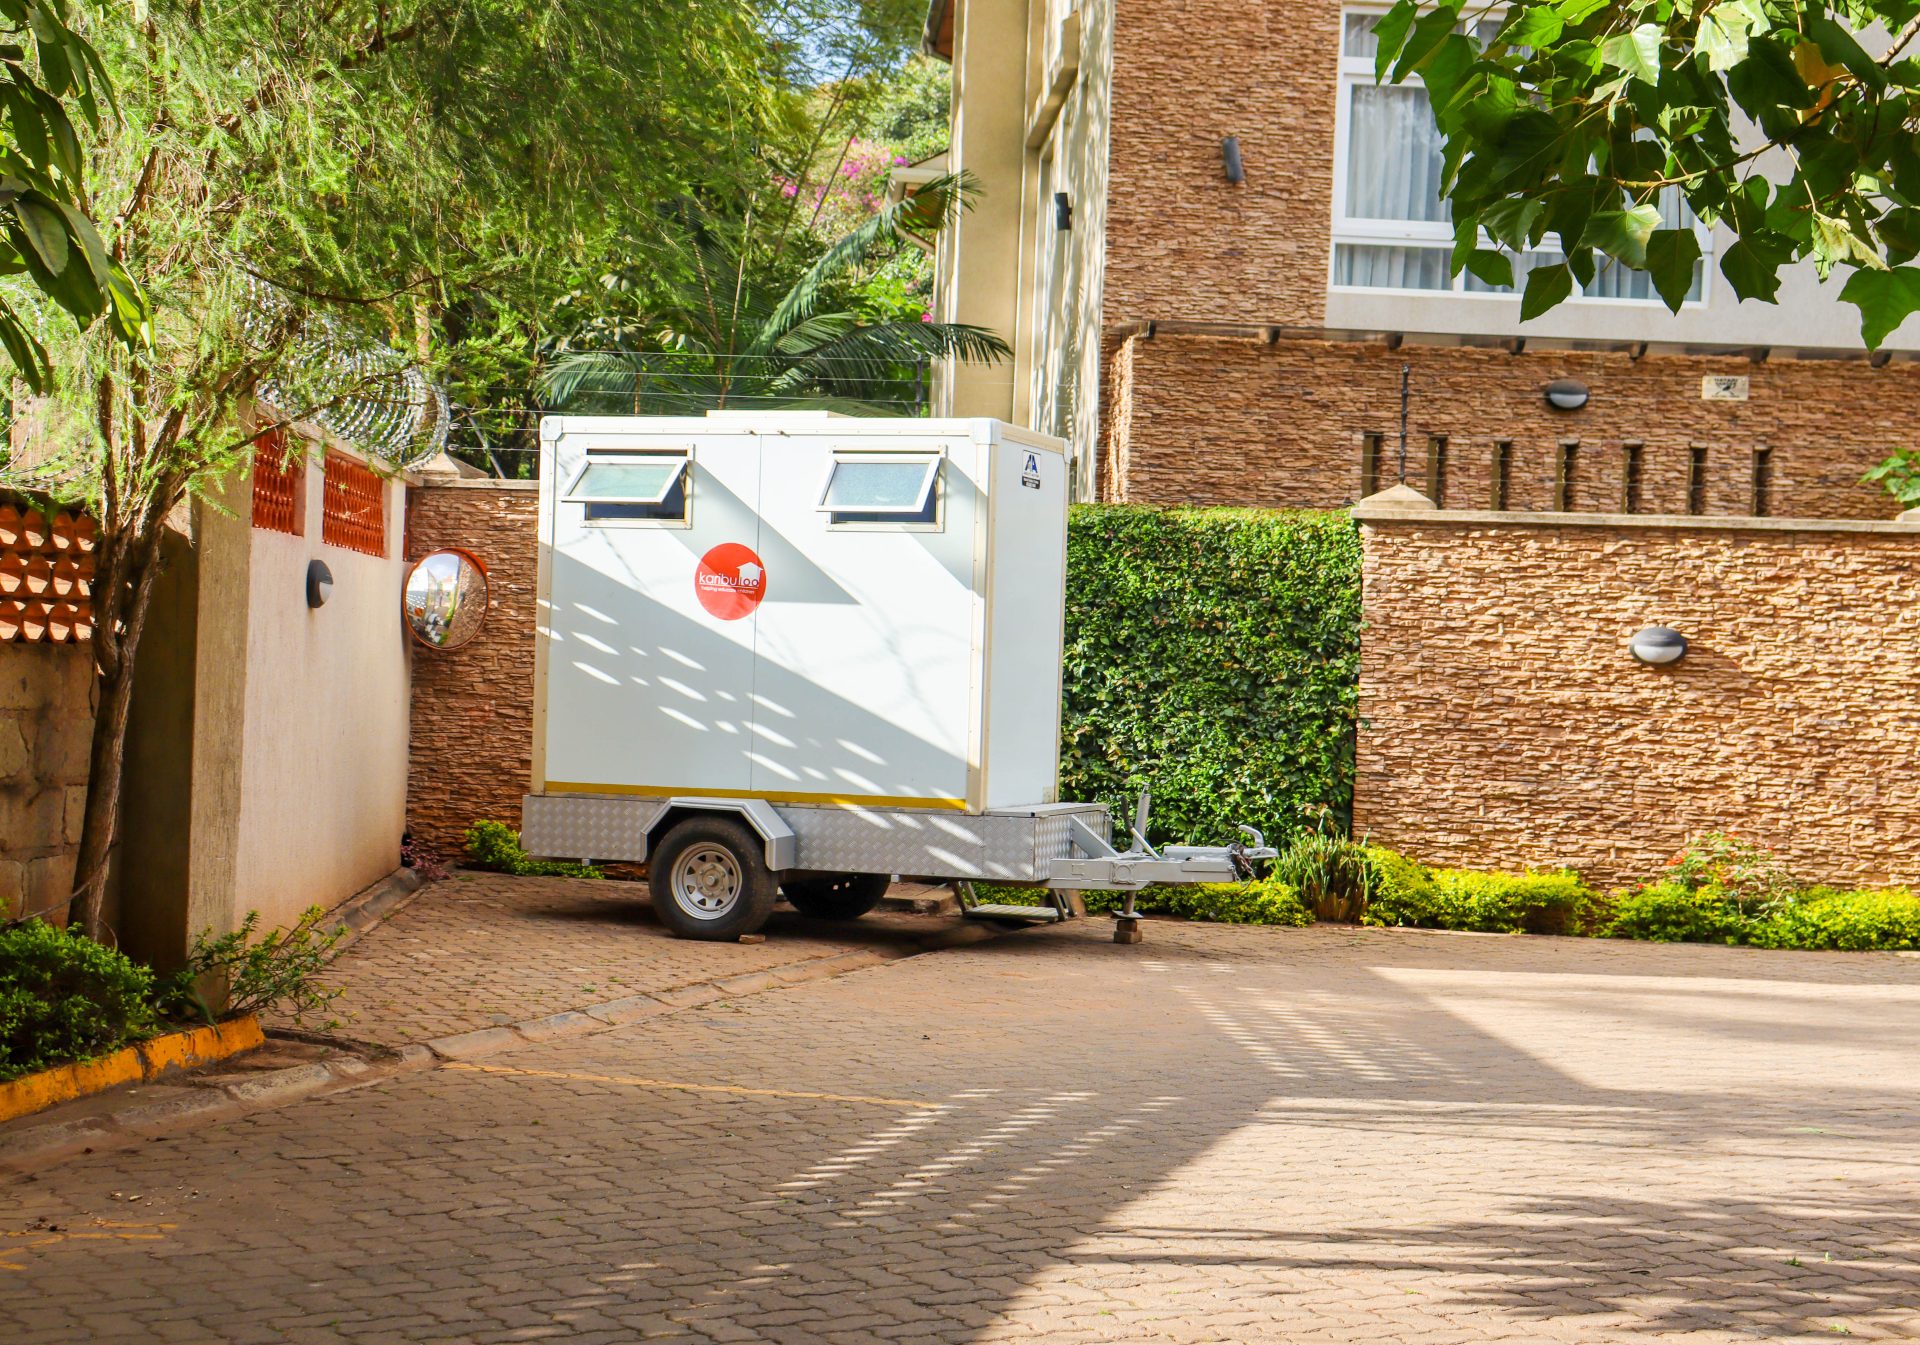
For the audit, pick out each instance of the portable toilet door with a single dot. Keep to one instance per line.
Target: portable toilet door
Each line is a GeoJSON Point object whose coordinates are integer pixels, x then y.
{"type": "Point", "coordinates": [651, 582]}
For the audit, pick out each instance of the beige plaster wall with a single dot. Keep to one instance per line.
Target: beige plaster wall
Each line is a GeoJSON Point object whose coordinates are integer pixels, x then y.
{"type": "Point", "coordinates": [323, 779]}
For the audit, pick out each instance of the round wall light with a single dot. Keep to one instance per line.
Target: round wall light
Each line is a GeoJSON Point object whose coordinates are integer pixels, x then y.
{"type": "Point", "coordinates": [319, 583]}
{"type": "Point", "coordinates": [1566, 394]}
{"type": "Point", "coordinates": [1658, 645]}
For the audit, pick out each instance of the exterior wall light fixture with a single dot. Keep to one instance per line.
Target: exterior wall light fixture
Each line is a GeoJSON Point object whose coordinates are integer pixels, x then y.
{"type": "Point", "coordinates": [1658, 645]}
{"type": "Point", "coordinates": [1062, 211]}
{"type": "Point", "coordinates": [319, 583]}
{"type": "Point", "coordinates": [1566, 394]}
{"type": "Point", "coordinates": [1230, 158]}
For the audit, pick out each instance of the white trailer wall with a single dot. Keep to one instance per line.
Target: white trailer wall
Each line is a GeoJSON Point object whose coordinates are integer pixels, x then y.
{"type": "Point", "coordinates": [876, 669]}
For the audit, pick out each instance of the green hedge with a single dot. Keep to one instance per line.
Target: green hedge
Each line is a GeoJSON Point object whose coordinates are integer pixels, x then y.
{"type": "Point", "coordinates": [64, 997]}
{"type": "Point", "coordinates": [1212, 654]}
{"type": "Point", "coordinates": [1817, 918]}
{"type": "Point", "coordinates": [1493, 903]}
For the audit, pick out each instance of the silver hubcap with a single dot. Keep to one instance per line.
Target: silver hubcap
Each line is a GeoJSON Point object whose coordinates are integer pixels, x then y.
{"type": "Point", "coordinates": [706, 881]}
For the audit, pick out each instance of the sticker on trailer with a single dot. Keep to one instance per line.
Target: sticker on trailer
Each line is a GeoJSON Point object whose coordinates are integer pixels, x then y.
{"type": "Point", "coordinates": [1030, 474]}
{"type": "Point", "coordinates": [730, 581]}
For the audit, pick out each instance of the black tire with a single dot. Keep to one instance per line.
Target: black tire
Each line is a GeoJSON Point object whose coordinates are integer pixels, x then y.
{"type": "Point", "coordinates": [709, 880]}
{"type": "Point", "coordinates": [837, 896]}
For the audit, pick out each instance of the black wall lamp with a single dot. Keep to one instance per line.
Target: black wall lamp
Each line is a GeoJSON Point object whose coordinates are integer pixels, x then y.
{"type": "Point", "coordinates": [319, 583]}
{"type": "Point", "coordinates": [1566, 394]}
{"type": "Point", "coordinates": [1062, 211]}
{"type": "Point", "coordinates": [1658, 645]}
{"type": "Point", "coordinates": [1230, 158]}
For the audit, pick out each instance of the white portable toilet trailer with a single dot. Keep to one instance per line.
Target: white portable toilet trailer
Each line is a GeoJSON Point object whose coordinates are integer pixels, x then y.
{"type": "Point", "coordinates": [798, 653]}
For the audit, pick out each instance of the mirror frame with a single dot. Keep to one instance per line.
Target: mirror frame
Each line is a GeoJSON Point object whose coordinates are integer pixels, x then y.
{"type": "Point", "coordinates": [414, 565]}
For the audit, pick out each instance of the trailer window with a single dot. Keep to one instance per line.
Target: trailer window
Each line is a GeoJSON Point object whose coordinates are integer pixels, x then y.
{"type": "Point", "coordinates": [882, 488]}
{"type": "Point", "coordinates": [633, 487]}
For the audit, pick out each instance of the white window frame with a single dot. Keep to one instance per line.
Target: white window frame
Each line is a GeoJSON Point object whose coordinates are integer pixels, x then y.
{"type": "Point", "coordinates": [932, 481]}
{"type": "Point", "coordinates": [1357, 70]}
{"type": "Point", "coordinates": [632, 457]}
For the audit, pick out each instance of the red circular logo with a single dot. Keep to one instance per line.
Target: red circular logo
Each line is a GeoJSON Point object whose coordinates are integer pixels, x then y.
{"type": "Point", "coordinates": [730, 581]}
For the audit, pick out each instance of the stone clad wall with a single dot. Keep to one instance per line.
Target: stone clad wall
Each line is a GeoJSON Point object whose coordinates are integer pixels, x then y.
{"type": "Point", "coordinates": [1215, 421]}
{"type": "Point", "coordinates": [46, 728]}
{"type": "Point", "coordinates": [472, 751]}
{"type": "Point", "coordinates": [1182, 241]}
{"type": "Point", "coordinates": [1506, 725]}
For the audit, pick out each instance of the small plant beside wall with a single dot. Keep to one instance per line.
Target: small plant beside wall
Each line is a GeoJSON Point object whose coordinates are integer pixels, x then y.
{"type": "Point", "coordinates": [496, 846]}
{"type": "Point", "coordinates": [277, 973]}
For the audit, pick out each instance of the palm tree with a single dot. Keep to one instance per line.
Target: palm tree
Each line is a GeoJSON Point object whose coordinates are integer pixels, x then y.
{"type": "Point", "coordinates": [718, 337]}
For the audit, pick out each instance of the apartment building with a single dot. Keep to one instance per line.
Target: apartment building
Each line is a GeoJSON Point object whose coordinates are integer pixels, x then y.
{"type": "Point", "coordinates": [1218, 249]}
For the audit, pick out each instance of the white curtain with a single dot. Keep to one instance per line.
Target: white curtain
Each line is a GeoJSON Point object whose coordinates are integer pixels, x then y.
{"type": "Point", "coordinates": [1393, 156]}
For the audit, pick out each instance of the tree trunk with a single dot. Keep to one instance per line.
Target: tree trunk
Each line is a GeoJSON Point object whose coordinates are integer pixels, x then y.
{"type": "Point", "coordinates": [107, 756]}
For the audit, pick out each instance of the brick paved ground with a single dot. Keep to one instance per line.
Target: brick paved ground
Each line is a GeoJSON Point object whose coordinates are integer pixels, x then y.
{"type": "Point", "coordinates": [1221, 1135]}
{"type": "Point", "coordinates": [481, 949]}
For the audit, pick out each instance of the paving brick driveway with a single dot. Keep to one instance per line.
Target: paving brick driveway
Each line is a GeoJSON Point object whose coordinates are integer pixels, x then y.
{"type": "Point", "coordinates": [1221, 1135]}
{"type": "Point", "coordinates": [482, 949]}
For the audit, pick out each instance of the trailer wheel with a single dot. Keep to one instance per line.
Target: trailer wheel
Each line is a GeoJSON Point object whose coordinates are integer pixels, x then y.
{"type": "Point", "coordinates": [839, 896]}
{"type": "Point", "coordinates": [710, 880]}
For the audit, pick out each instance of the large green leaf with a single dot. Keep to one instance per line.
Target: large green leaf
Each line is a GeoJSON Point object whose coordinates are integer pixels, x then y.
{"type": "Point", "coordinates": [1546, 286]}
{"type": "Point", "coordinates": [1753, 268]}
{"type": "Point", "coordinates": [1671, 254]}
{"type": "Point", "coordinates": [46, 229]}
{"type": "Point", "coordinates": [1623, 234]}
{"type": "Point", "coordinates": [1885, 300]}
{"type": "Point", "coordinates": [1636, 52]}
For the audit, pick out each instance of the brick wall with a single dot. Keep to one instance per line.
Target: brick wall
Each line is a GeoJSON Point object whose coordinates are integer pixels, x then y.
{"type": "Point", "coordinates": [1183, 242]}
{"type": "Point", "coordinates": [1506, 724]}
{"type": "Point", "coordinates": [472, 746]}
{"type": "Point", "coordinates": [1196, 420]}
{"type": "Point", "coordinates": [46, 727]}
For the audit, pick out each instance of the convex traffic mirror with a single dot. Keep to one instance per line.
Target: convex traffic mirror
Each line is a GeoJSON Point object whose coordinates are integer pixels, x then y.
{"type": "Point", "coordinates": [445, 600]}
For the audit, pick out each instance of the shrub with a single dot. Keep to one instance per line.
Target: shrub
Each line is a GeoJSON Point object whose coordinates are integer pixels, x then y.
{"type": "Point", "coordinates": [1404, 894]}
{"type": "Point", "coordinates": [279, 971]}
{"type": "Point", "coordinates": [1211, 654]}
{"type": "Point", "coordinates": [1329, 871]}
{"type": "Point", "coordinates": [1672, 912]}
{"type": "Point", "coordinates": [64, 997]}
{"type": "Point", "coordinates": [1824, 918]}
{"type": "Point", "coordinates": [495, 845]}
{"type": "Point", "coordinates": [1748, 875]}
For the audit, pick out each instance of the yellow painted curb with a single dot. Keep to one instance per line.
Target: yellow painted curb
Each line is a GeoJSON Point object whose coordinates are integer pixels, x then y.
{"type": "Point", "coordinates": [130, 1064]}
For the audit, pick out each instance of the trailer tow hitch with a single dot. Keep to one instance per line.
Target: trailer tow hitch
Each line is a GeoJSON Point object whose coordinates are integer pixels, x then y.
{"type": "Point", "coordinates": [1098, 865]}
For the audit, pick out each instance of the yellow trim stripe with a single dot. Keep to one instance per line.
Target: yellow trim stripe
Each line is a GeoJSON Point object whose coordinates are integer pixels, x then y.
{"type": "Point", "coordinates": [735, 1089]}
{"type": "Point", "coordinates": [841, 800]}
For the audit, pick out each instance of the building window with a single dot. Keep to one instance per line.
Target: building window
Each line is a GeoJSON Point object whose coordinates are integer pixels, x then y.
{"type": "Point", "coordinates": [1567, 464]}
{"type": "Point", "coordinates": [278, 478]}
{"type": "Point", "coordinates": [1630, 475]}
{"type": "Point", "coordinates": [633, 488]}
{"type": "Point", "coordinates": [1370, 445]}
{"type": "Point", "coordinates": [1437, 470]}
{"type": "Point", "coordinates": [1696, 480]}
{"type": "Point", "coordinates": [353, 507]}
{"type": "Point", "coordinates": [1392, 230]}
{"type": "Point", "coordinates": [1762, 482]}
{"type": "Point", "coordinates": [1500, 472]}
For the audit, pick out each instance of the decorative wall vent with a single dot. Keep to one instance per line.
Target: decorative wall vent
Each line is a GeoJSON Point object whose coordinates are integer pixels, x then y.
{"type": "Point", "coordinates": [353, 513]}
{"type": "Point", "coordinates": [276, 484]}
{"type": "Point", "coordinates": [46, 575]}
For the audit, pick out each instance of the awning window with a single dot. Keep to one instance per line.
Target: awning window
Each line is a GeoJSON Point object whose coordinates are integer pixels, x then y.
{"type": "Point", "coordinates": [632, 486]}
{"type": "Point", "coordinates": [881, 488]}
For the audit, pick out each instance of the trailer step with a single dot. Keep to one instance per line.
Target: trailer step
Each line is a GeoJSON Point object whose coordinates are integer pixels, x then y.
{"type": "Point", "coordinates": [1033, 915]}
